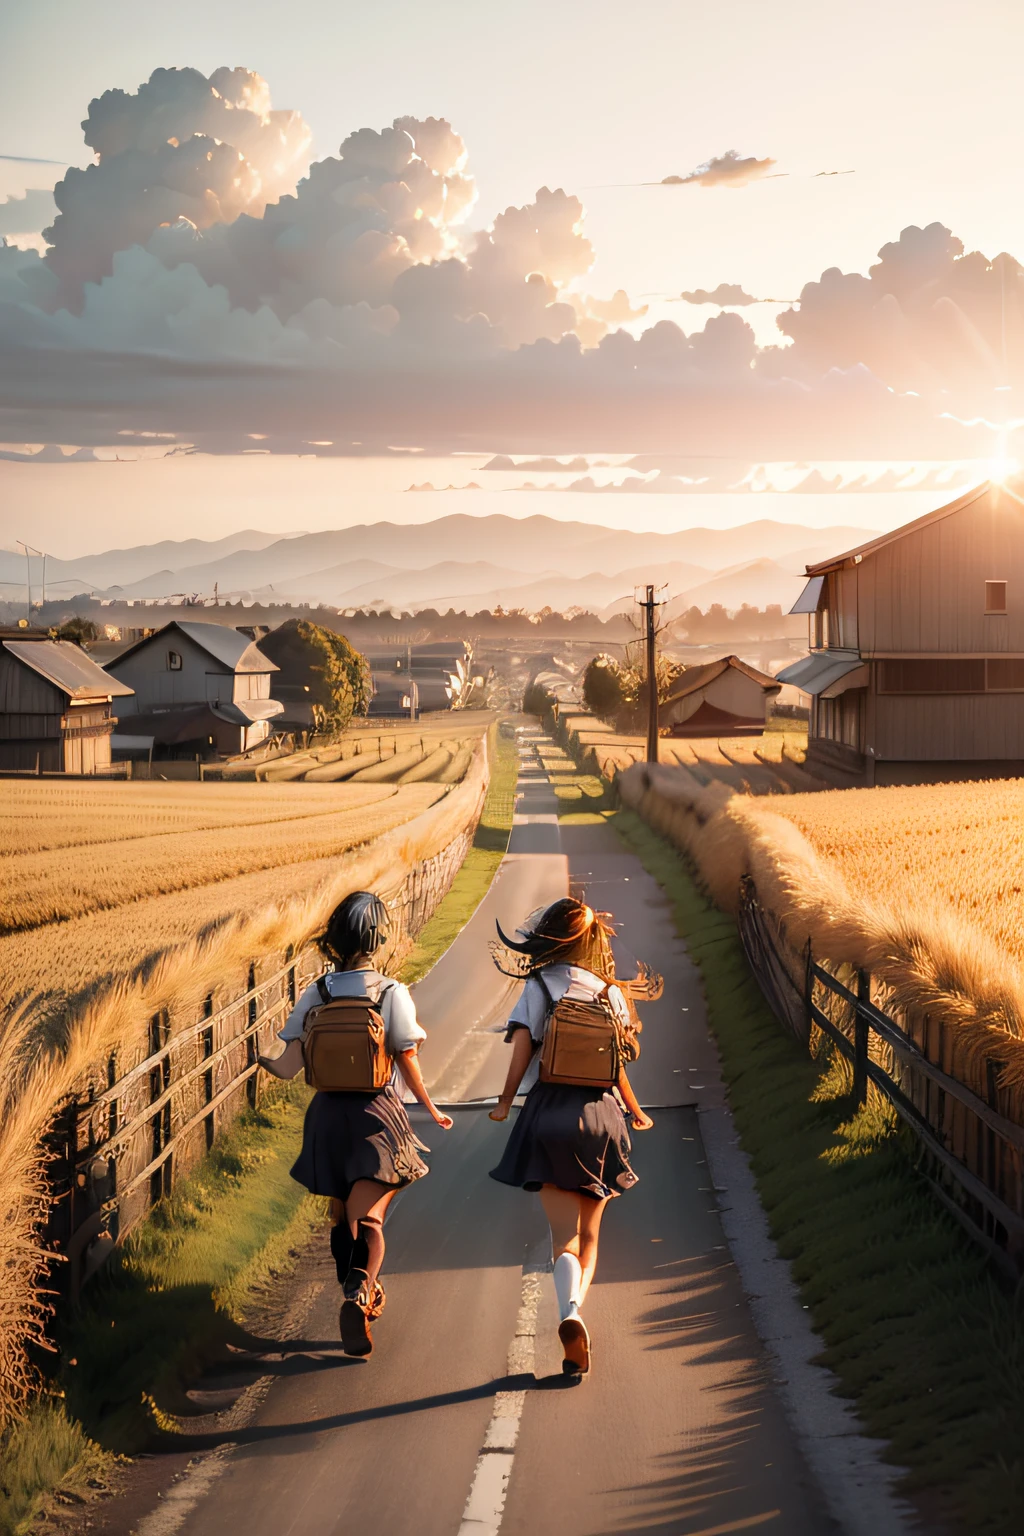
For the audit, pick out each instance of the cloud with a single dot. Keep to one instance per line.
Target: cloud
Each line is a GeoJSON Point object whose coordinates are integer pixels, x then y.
{"type": "Point", "coordinates": [28, 214]}
{"type": "Point", "coordinates": [50, 453]}
{"type": "Point", "coordinates": [537, 466]}
{"type": "Point", "coordinates": [724, 294]}
{"type": "Point", "coordinates": [207, 149]}
{"type": "Point", "coordinates": [202, 287]}
{"type": "Point", "coordinates": [728, 170]}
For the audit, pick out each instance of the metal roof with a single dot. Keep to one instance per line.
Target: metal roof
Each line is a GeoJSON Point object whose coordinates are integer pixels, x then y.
{"type": "Point", "coordinates": [246, 711]}
{"type": "Point", "coordinates": [67, 666]}
{"type": "Point", "coordinates": [818, 671]}
{"type": "Point", "coordinates": [919, 522]}
{"type": "Point", "coordinates": [233, 650]}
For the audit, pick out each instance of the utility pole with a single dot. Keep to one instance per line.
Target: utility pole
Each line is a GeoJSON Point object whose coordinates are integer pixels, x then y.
{"type": "Point", "coordinates": [28, 573]}
{"type": "Point", "coordinates": [649, 603]}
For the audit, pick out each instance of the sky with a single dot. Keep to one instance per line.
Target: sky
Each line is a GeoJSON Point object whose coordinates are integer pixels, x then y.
{"type": "Point", "coordinates": [417, 320]}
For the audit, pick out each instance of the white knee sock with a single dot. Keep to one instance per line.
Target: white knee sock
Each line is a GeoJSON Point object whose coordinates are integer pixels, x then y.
{"type": "Point", "coordinates": [568, 1277]}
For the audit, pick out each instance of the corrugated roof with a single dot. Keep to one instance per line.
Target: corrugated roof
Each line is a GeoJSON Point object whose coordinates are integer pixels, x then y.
{"type": "Point", "coordinates": [919, 522]}
{"type": "Point", "coordinates": [67, 666]}
{"type": "Point", "coordinates": [814, 673]}
{"type": "Point", "coordinates": [220, 641]}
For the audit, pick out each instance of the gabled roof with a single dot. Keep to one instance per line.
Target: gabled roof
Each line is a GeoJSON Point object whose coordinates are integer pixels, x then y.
{"type": "Point", "coordinates": [235, 651]}
{"type": "Point", "coordinates": [698, 677]}
{"type": "Point", "coordinates": [67, 667]}
{"type": "Point", "coordinates": [919, 522]}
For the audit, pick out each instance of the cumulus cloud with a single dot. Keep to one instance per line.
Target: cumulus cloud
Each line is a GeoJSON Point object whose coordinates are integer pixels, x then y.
{"type": "Point", "coordinates": [725, 294]}
{"type": "Point", "coordinates": [205, 285]}
{"type": "Point", "coordinates": [185, 145]}
{"type": "Point", "coordinates": [728, 170]}
{"type": "Point", "coordinates": [927, 318]}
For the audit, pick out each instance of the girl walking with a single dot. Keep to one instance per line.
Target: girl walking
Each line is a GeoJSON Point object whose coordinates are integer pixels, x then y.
{"type": "Point", "coordinates": [571, 1139]}
{"type": "Point", "coordinates": [358, 1146]}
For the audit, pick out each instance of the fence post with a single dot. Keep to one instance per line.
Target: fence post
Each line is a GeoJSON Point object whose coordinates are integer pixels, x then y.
{"type": "Point", "coordinates": [860, 1040]}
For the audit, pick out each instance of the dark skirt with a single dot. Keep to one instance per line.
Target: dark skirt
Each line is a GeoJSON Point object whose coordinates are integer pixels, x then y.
{"type": "Point", "coordinates": [351, 1136]}
{"type": "Point", "coordinates": [575, 1138]}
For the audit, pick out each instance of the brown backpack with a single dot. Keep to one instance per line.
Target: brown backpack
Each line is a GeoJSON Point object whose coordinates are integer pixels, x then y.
{"type": "Point", "coordinates": [344, 1045]}
{"type": "Point", "coordinates": [582, 1042]}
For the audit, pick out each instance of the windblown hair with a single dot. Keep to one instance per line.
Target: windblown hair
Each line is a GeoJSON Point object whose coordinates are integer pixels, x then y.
{"type": "Point", "coordinates": [568, 932]}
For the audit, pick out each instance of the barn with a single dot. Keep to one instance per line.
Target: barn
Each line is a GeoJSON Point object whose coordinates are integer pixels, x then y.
{"type": "Point", "coordinates": [196, 689]}
{"type": "Point", "coordinates": [916, 664]}
{"type": "Point", "coordinates": [723, 695]}
{"type": "Point", "coordinates": [55, 705]}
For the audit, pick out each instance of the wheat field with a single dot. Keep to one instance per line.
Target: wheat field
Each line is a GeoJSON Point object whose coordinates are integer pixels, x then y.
{"type": "Point", "coordinates": [255, 870]}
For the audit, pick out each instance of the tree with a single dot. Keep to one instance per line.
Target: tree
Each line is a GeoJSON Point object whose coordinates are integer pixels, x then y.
{"type": "Point", "coordinates": [321, 667]}
{"type": "Point", "coordinates": [78, 629]}
{"type": "Point", "coordinates": [602, 688]}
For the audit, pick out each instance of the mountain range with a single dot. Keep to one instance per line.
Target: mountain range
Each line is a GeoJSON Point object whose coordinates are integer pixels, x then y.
{"type": "Point", "coordinates": [459, 561]}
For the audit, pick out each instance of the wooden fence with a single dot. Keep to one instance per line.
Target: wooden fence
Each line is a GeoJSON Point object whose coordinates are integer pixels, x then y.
{"type": "Point", "coordinates": [144, 1119]}
{"type": "Point", "coordinates": [971, 1151]}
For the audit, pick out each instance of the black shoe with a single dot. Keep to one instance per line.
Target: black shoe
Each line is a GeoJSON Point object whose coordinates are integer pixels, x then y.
{"type": "Point", "coordinates": [354, 1325]}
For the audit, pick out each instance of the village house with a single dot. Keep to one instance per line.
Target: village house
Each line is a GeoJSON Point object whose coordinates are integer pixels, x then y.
{"type": "Point", "coordinates": [196, 690]}
{"type": "Point", "coordinates": [56, 711]}
{"type": "Point", "coordinates": [916, 665]}
{"type": "Point", "coordinates": [723, 695]}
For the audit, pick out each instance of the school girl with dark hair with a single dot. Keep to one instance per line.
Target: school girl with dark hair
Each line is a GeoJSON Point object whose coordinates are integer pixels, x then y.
{"type": "Point", "coordinates": [571, 1139]}
{"type": "Point", "coordinates": [354, 1024]}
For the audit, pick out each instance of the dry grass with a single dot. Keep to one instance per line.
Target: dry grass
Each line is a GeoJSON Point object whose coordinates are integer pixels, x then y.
{"type": "Point", "coordinates": [920, 886]}
{"type": "Point", "coordinates": [40, 1064]}
{"type": "Point", "coordinates": [55, 886]}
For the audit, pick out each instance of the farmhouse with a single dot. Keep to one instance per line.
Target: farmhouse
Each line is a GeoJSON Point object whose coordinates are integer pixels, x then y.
{"type": "Point", "coordinates": [916, 665]}
{"type": "Point", "coordinates": [722, 695]}
{"type": "Point", "coordinates": [196, 689]}
{"type": "Point", "coordinates": [441, 670]}
{"type": "Point", "coordinates": [55, 705]}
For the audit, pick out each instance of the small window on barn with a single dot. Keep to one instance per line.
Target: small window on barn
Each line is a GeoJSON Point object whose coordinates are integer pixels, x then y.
{"type": "Point", "coordinates": [995, 597]}
{"type": "Point", "coordinates": [173, 661]}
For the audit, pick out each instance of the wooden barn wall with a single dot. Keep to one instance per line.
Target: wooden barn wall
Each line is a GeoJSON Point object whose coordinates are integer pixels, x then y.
{"type": "Point", "coordinates": [925, 593]}
{"type": "Point", "coordinates": [24, 692]}
{"type": "Point", "coordinates": [949, 727]}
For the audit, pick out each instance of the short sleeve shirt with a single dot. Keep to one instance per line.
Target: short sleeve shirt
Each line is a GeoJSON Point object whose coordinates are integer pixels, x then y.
{"type": "Point", "coordinates": [534, 1005]}
{"type": "Point", "coordinates": [403, 1030]}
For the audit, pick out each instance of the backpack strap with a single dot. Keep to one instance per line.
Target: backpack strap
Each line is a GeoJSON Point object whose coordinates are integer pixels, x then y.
{"type": "Point", "coordinates": [322, 988]}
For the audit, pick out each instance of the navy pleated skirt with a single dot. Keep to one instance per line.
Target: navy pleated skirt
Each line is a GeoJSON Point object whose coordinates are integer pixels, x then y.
{"type": "Point", "coordinates": [575, 1138]}
{"type": "Point", "coordinates": [352, 1136]}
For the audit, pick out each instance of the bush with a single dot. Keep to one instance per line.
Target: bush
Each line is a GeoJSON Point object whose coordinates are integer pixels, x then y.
{"type": "Point", "coordinates": [537, 700]}
{"type": "Point", "coordinates": [603, 693]}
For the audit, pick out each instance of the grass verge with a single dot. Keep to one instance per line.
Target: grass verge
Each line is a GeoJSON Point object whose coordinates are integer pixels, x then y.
{"type": "Point", "coordinates": [920, 1334]}
{"type": "Point", "coordinates": [473, 880]}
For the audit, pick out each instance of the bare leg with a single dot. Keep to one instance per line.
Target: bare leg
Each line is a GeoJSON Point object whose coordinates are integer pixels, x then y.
{"type": "Point", "coordinates": [591, 1212]}
{"type": "Point", "coordinates": [562, 1209]}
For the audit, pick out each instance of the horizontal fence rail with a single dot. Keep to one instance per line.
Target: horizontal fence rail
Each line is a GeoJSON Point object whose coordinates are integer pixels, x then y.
{"type": "Point", "coordinates": [972, 1153]}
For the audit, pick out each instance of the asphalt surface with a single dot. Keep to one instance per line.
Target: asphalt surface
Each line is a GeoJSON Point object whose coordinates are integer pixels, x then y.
{"type": "Point", "coordinates": [677, 1430]}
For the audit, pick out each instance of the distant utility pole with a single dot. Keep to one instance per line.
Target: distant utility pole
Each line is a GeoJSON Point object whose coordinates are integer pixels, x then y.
{"type": "Point", "coordinates": [649, 603]}
{"type": "Point", "coordinates": [31, 550]}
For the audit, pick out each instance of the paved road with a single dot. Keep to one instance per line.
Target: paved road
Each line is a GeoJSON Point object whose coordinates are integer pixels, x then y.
{"type": "Point", "coordinates": [677, 1430]}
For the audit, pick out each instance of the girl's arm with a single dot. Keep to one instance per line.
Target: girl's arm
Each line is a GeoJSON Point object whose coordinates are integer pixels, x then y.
{"type": "Point", "coordinates": [409, 1067]}
{"type": "Point", "coordinates": [640, 1121]}
{"type": "Point", "coordinates": [523, 1047]}
{"type": "Point", "coordinates": [288, 1064]}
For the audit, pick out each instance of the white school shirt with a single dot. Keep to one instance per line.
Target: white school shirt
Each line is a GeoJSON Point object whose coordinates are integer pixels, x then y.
{"type": "Point", "coordinates": [534, 1006]}
{"type": "Point", "coordinates": [402, 1029]}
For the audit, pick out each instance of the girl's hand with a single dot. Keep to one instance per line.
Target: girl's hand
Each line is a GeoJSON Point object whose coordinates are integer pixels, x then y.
{"type": "Point", "coordinates": [444, 1121]}
{"type": "Point", "coordinates": [642, 1122]}
{"type": "Point", "coordinates": [500, 1110]}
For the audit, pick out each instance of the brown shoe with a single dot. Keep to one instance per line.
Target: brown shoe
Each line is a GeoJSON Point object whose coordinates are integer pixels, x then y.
{"type": "Point", "coordinates": [575, 1345]}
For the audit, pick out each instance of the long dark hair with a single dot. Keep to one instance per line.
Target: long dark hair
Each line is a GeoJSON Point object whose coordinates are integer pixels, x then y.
{"type": "Point", "coordinates": [359, 925]}
{"type": "Point", "coordinates": [568, 932]}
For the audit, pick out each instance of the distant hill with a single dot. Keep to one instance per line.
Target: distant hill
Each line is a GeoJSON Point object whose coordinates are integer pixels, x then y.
{"type": "Point", "coordinates": [464, 562]}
